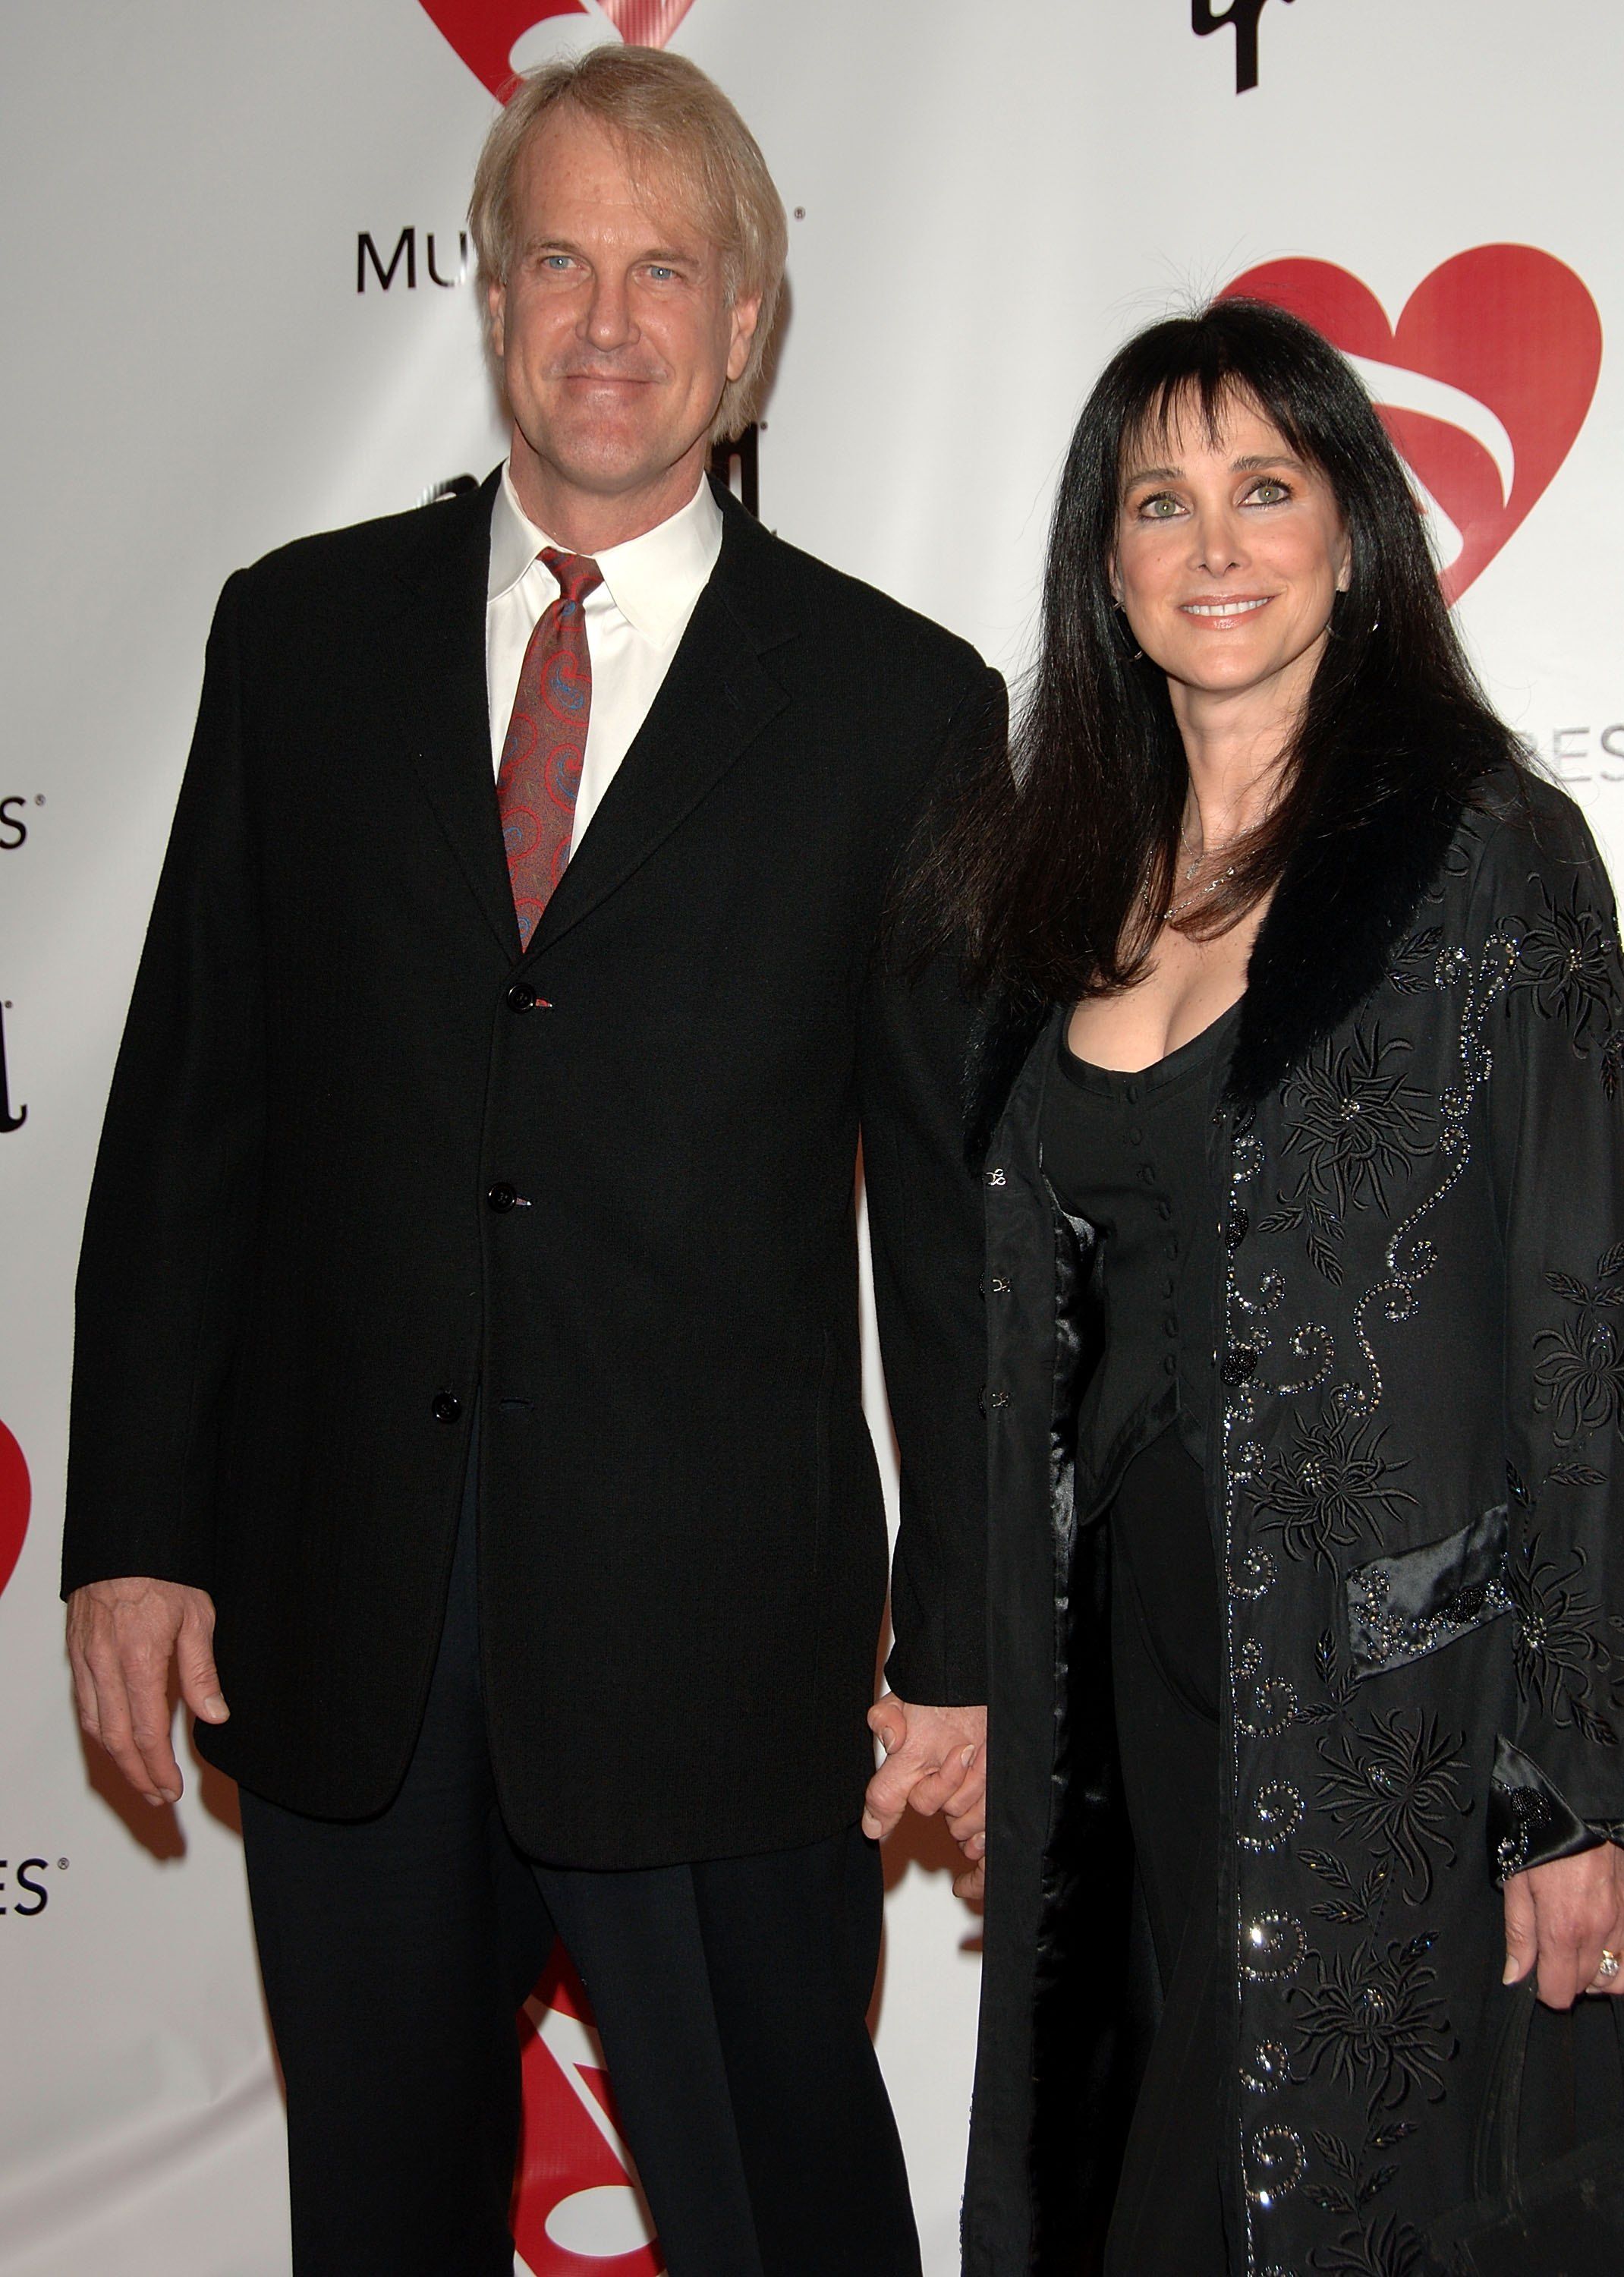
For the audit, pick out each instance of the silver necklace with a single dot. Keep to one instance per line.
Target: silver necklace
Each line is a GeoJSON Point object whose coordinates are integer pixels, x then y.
{"type": "Point", "coordinates": [1197, 894]}
{"type": "Point", "coordinates": [1198, 855]}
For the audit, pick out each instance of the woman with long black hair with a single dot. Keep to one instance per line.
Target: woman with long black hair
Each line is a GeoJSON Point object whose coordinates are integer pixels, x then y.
{"type": "Point", "coordinates": [1300, 1123]}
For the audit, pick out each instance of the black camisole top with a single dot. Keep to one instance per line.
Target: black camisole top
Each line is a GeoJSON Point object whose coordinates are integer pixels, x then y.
{"type": "Point", "coordinates": [1129, 1152]}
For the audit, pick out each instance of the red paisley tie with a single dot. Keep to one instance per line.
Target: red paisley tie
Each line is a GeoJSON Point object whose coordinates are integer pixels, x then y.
{"type": "Point", "coordinates": [540, 773]}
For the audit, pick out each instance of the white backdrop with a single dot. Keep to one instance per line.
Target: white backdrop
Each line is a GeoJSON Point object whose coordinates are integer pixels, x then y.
{"type": "Point", "coordinates": [988, 194]}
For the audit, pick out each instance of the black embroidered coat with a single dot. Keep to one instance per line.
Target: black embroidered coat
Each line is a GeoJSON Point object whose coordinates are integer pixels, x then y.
{"type": "Point", "coordinates": [1417, 1493]}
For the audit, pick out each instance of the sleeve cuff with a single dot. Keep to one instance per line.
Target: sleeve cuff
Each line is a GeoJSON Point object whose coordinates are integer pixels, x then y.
{"type": "Point", "coordinates": [1531, 1823]}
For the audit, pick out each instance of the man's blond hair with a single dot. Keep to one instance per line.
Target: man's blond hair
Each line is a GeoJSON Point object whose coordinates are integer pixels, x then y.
{"type": "Point", "coordinates": [659, 105]}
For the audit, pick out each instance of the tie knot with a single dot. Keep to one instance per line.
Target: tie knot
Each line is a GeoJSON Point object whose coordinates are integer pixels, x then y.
{"type": "Point", "coordinates": [578, 575]}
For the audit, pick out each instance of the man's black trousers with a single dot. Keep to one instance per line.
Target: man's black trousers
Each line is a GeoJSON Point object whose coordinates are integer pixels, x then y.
{"type": "Point", "coordinates": [730, 1997]}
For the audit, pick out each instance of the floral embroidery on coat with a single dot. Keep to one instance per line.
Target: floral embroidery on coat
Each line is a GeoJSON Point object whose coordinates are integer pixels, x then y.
{"type": "Point", "coordinates": [1566, 961]}
{"type": "Point", "coordinates": [1332, 1488]}
{"type": "Point", "coordinates": [1580, 1370]}
{"type": "Point", "coordinates": [1356, 1125]}
{"type": "Point", "coordinates": [1395, 1783]}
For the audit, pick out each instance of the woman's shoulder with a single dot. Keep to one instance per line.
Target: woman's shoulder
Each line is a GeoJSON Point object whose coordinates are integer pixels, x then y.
{"type": "Point", "coordinates": [1521, 829]}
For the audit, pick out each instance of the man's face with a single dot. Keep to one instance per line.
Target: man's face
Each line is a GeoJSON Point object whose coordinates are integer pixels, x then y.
{"type": "Point", "coordinates": [612, 327]}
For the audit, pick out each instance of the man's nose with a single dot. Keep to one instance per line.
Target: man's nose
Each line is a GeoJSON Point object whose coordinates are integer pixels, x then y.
{"type": "Point", "coordinates": [609, 321]}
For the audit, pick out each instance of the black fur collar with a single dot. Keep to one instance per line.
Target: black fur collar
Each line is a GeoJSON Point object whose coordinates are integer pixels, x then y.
{"type": "Point", "coordinates": [1344, 904]}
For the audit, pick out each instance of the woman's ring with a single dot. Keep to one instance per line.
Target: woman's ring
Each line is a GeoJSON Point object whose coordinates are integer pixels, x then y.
{"type": "Point", "coordinates": [1609, 1964]}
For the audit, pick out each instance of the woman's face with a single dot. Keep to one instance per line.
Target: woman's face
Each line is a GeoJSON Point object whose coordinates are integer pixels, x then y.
{"type": "Point", "coordinates": [1229, 554]}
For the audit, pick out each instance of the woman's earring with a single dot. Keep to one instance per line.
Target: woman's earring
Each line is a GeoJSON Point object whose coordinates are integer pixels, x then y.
{"type": "Point", "coordinates": [1136, 655]}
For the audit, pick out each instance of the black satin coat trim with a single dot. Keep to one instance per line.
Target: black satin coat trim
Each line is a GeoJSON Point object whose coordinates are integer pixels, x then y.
{"type": "Point", "coordinates": [1080, 2028]}
{"type": "Point", "coordinates": [1402, 1607]}
{"type": "Point", "coordinates": [1529, 1821]}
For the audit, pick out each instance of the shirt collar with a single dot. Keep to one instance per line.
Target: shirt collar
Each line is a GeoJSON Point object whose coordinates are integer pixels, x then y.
{"type": "Point", "coordinates": [654, 580]}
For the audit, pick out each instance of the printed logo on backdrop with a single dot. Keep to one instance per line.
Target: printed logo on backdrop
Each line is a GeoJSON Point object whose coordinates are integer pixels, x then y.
{"type": "Point", "coordinates": [498, 38]}
{"type": "Point", "coordinates": [1484, 382]}
{"type": "Point", "coordinates": [14, 820]}
{"type": "Point", "coordinates": [1241, 17]}
{"type": "Point", "coordinates": [25, 1883]}
{"type": "Point", "coordinates": [16, 1496]}
{"type": "Point", "coordinates": [24, 1887]}
{"type": "Point", "coordinates": [13, 837]}
{"type": "Point", "coordinates": [10, 1119]}
{"type": "Point", "coordinates": [577, 2209]}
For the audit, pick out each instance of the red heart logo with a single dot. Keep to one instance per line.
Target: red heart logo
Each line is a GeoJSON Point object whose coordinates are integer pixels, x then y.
{"type": "Point", "coordinates": [485, 33]}
{"type": "Point", "coordinates": [1482, 383]}
{"type": "Point", "coordinates": [577, 2210]}
{"type": "Point", "coordinates": [16, 1496]}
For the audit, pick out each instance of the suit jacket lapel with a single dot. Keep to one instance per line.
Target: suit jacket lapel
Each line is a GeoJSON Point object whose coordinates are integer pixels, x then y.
{"type": "Point", "coordinates": [434, 657]}
{"type": "Point", "coordinates": [717, 698]}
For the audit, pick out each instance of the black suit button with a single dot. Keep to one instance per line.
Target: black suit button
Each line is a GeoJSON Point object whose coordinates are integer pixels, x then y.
{"type": "Point", "coordinates": [447, 1407]}
{"type": "Point", "coordinates": [501, 1198]}
{"type": "Point", "coordinates": [522, 997]}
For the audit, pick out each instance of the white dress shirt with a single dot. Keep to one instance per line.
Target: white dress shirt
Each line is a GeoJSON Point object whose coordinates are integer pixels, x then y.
{"type": "Point", "coordinates": [636, 620]}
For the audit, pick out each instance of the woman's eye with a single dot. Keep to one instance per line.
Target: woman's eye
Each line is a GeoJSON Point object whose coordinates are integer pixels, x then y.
{"type": "Point", "coordinates": [1159, 509]}
{"type": "Point", "coordinates": [1269, 491]}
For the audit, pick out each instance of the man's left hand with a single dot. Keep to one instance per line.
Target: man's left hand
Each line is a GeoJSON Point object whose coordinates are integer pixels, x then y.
{"type": "Point", "coordinates": [935, 1759]}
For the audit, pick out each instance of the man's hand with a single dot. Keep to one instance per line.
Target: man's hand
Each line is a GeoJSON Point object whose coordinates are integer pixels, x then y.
{"type": "Point", "coordinates": [1561, 1918]}
{"type": "Point", "coordinates": [935, 1759]}
{"type": "Point", "coordinates": [121, 1636]}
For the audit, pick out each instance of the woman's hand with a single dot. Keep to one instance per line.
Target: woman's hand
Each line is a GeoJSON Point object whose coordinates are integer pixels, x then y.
{"type": "Point", "coordinates": [935, 1759]}
{"type": "Point", "coordinates": [1560, 1919]}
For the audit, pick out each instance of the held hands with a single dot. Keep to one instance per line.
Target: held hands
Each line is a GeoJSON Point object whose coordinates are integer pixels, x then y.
{"type": "Point", "coordinates": [1560, 1919]}
{"type": "Point", "coordinates": [935, 1759]}
{"type": "Point", "coordinates": [121, 1637]}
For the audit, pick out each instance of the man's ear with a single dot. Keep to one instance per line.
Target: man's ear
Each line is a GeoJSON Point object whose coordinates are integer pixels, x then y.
{"type": "Point", "coordinates": [745, 315]}
{"type": "Point", "coordinates": [495, 302]}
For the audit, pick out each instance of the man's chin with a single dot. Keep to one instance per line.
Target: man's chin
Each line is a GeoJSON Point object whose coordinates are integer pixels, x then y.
{"type": "Point", "coordinates": [612, 465]}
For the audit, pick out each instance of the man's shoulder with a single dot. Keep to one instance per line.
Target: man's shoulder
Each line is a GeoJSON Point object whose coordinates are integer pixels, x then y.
{"type": "Point", "coordinates": [393, 545]}
{"type": "Point", "coordinates": [796, 592]}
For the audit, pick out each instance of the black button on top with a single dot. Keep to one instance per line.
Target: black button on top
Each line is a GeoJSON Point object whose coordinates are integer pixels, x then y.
{"type": "Point", "coordinates": [447, 1407]}
{"type": "Point", "coordinates": [501, 1198]}
{"type": "Point", "coordinates": [522, 997]}
{"type": "Point", "coordinates": [1131, 1093]}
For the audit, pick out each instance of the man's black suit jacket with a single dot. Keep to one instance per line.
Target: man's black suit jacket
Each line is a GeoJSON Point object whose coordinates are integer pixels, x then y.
{"type": "Point", "coordinates": [363, 1161]}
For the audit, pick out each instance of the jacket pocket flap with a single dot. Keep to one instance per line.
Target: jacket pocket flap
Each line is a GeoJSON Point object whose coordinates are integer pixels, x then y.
{"type": "Point", "coordinates": [1402, 1607]}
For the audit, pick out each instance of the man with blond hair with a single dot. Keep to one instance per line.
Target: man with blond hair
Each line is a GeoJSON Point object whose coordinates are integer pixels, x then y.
{"type": "Point", "coordinates": [468, 1380]}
